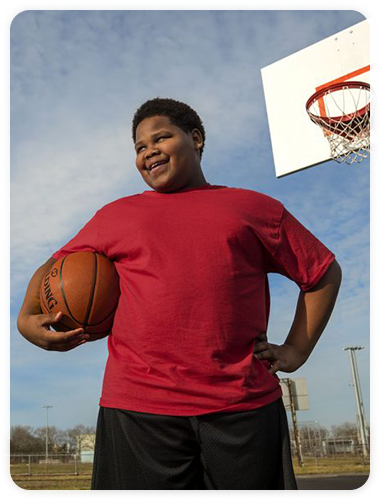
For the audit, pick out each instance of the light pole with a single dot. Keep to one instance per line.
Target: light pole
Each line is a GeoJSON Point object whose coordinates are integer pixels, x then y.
{"type": "Point", "coordinates": [358, 396]}
{"type": "Point", "coordinates": [47, 429]}
{"type": "Point", "coordinates": [297, 440]}
{"type": "Point", "coordinates": [314, 440]}
{"type": "Point", "coordinates": [319, 437]}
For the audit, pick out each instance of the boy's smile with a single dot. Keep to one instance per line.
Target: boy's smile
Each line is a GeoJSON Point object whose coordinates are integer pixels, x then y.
{"type": "Point", "coordinates": [167, 157]}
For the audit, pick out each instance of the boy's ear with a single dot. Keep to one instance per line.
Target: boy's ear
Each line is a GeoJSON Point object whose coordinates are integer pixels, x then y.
{"type": "Point", "coordinates": [197, 138]}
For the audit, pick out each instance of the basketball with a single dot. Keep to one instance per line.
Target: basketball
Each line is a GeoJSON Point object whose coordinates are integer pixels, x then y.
{"type": "Point", "coordinates": [85, 287]}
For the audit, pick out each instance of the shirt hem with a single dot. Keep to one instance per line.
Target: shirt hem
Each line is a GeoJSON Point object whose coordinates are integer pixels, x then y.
{"type": "Point", "coordinates": [142, 408]}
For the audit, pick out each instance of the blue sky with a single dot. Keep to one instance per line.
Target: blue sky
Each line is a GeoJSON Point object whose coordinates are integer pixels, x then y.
{"type": "Point", "coordinates": [76, 79]}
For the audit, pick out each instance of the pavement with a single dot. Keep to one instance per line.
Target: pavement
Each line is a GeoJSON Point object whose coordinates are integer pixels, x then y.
{"type": "Point", "coordinates": [350, 486]}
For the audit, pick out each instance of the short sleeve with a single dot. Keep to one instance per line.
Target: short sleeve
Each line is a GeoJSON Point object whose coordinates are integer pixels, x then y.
{"type": "Point", "coordinates": [86, 240]}
{"type": "Point", "coordinates": [298, 255]}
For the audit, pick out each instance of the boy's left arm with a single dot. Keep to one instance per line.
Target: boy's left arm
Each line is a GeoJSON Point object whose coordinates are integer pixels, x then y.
{"type": "Point", "coordinates": [313, 312]}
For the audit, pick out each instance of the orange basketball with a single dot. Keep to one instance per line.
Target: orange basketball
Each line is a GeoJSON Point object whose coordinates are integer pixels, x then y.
{"type": "Point", "coordinates": [85, 287]}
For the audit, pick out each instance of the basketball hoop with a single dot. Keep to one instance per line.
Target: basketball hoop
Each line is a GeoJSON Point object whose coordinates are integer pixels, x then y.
{"type": "Point", "coordinates": [342, 110]}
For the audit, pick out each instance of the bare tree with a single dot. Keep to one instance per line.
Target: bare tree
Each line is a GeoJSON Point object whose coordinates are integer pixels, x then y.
{"type": "Point", "coordinates": [24, 440]}
{"type": "Point", "coordinates": [345, 430]}
{"type": "Point", "coordinates": [77, 435]}
{"type": "Point", "coordinates": [56, 438]}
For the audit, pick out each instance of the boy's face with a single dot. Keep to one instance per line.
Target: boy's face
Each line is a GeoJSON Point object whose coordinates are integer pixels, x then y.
{"type": "Point", "coordinates": [176, 153]}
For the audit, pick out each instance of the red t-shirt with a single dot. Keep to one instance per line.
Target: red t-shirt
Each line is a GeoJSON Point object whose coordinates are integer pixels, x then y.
{"type": "Point", "coordinates": [193, 270]}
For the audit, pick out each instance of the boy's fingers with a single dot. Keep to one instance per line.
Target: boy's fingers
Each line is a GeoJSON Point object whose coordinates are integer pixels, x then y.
{"type": "Point", "coordinates": [65, 341]}
{"type": "Point", "coordinates": [263, 335]}
{"type": "Point", "coordinates": [66, 337]}
{"type": "Point", "coordinates": [267, 354]}
{"type": "Point", "coordinates": [275, 367]}
{"type": "Point", "coordinates": [274, 349]}
{"type": "Point", "coordinates": [74, 333]}
{"type": "Point", "coordinates": [51, 318]}
{"type": "Point", "coordinates": [261, 346]}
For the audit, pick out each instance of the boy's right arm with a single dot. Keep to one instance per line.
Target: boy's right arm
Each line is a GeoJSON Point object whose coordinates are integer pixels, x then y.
{"type": "Point", "coordinates": [35, 326]}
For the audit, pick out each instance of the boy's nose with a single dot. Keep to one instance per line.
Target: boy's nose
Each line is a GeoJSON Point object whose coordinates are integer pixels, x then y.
{"type": "Point", "coordinates": [151, 152]}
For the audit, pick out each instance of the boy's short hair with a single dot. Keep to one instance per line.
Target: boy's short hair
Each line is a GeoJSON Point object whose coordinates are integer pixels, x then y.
{"type": "Point", "coordinates": [179, 114]}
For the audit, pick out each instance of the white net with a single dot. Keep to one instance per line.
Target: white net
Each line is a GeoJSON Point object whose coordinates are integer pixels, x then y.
{"type": "Point", "coordinates": [344, 115]}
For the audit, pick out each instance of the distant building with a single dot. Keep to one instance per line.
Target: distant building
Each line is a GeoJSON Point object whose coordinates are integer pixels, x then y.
{"type": "Point", "coordinates": [85, 447]}
{"type": "Point", "coordinates": [338, 446]}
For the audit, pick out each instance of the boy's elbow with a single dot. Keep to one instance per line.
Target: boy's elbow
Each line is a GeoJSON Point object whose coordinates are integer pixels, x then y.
{"type": "Point", "coordinates": [334, 280]}
{"type": "Point", "coordinates": [334, 274]}
{"type": "Point", "coordinates": [331, 278]}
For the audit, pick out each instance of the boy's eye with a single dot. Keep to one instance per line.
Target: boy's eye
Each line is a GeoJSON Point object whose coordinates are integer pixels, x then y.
{"type": "Point", "coordinates": [141, 148]}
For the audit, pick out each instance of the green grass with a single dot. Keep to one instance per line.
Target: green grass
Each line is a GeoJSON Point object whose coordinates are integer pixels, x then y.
{"type": "Point", "coordinates": [53, 482]}
{"type": "Point", "coordinates": [52, 476]}
{"type": "Point", "coordinates": [332, 466]}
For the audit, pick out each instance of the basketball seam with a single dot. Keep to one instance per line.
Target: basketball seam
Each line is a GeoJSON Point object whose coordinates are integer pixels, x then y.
{"type": "Point", "coordinates": [64, 296]}
{"type": "Point", "coordinates": [105, 319]}
{"type": "Point", "coordinates": [92, 295]}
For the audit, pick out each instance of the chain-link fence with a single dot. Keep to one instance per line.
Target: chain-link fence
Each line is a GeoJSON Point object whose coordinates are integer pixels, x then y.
{"type": "Point", "coordinates": [332, 449]}
{"type": "Point", "coordinates": [57, 464]}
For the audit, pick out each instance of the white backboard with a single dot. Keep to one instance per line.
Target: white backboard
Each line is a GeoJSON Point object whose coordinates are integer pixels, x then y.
{"type": "Point", "coordinates": [297, 143]}
{"type": "Point", "coordinates": [299, 393]}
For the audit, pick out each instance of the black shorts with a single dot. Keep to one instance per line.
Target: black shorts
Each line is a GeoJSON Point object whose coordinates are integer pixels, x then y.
{"type": "Point", "coordinates": [247, 450]}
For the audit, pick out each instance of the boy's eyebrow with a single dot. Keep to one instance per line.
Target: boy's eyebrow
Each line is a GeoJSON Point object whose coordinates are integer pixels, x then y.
{"type": "Point", "coordinates": [155, 134]}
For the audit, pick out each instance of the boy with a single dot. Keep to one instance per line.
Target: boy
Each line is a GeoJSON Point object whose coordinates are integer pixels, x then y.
{"type": "Point", "coordinates": [190, 398]}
